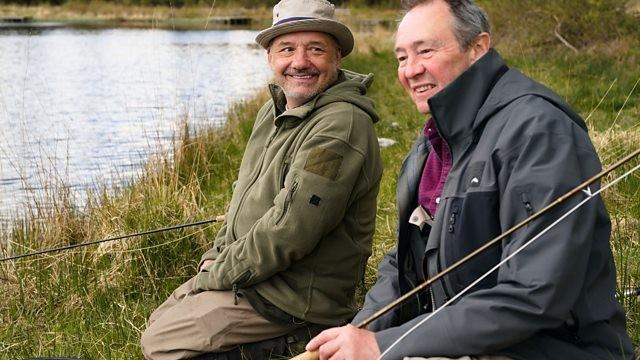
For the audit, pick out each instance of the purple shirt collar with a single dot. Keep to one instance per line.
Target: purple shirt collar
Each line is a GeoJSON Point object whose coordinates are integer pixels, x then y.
{"type": "Point", "coordinates": [435, 171]}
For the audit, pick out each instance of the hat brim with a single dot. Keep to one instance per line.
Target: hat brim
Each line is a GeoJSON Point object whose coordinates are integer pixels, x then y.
{"type": "Point", "coordinates": [340, 32]}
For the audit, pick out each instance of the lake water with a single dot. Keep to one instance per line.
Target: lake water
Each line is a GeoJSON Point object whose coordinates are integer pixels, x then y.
{"type": "Point", "coordinates": [88, 107]}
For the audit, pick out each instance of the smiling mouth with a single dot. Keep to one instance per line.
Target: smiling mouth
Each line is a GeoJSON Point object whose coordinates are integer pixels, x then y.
{"type": "Point", "coordinates": [423, 88]}
{"type": "Point", "coordinates": [302, 76]}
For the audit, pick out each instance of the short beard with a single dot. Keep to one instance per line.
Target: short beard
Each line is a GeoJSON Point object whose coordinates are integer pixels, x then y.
{"type": "Point", "coordinates": [305, 96]}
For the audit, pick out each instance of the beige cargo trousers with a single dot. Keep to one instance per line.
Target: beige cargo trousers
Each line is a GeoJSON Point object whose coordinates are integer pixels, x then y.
{"type": "Point", "coordinates": [191, 323]}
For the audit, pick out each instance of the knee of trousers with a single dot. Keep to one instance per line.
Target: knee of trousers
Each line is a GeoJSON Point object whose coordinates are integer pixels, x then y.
{"type": "Point", "coordinates": [149, 341]}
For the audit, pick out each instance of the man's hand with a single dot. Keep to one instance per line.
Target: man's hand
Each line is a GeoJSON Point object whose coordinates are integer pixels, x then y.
{"type": "Point", "coordinates": [206, 264]}
{"type": "Point", "coordinates": [347, 342]}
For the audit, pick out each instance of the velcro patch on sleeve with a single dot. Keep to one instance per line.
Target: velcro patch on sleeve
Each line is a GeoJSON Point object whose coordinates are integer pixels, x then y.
{"type": "Point", "coordinates": [324, 162]}
{"type": "Point", "coordinates": [315, 200]}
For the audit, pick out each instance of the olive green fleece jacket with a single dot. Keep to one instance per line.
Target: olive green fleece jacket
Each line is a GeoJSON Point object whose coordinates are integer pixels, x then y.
{"type": "Point", "coordinates": [301, 219]}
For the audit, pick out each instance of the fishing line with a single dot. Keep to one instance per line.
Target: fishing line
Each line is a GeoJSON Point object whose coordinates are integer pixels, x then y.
{"type": "Point", "coordinates": [623, 105]}
{"type": "Point", "coordinates": [497, 266]}
{"type": "Point", "coordinates": [313, 355]}
{"type": "Point", "coordinates": [59, 256]}
{"type": "Point", "coordinates": [601, 100]}
{"type": "Point", "coordinates": [121, 237]}
{"type": "Point", "coordinates": [164, 243]}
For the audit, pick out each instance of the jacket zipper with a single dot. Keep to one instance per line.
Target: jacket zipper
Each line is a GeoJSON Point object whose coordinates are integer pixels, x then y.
{"type": "Point", "coordinates": [253, 181]}
{"type": "Point", "coordinates": [431, 295]}
{"type": "Point", "coordinates": [283, 172]}
{"type": "Point", "coordinates": [288, 200]}
{"type": "Point", "coordinates": [235, 288]}
{"type": "Point", "coordinates": [433, 300]}
{"type": "Point", "coordinates": [527, 204]}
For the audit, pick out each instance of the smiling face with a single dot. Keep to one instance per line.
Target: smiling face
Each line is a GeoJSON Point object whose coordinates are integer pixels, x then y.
{"type": "Point", "coordinates": [429, 56]}
{"type": "Point", "coordinates": [304, 64]}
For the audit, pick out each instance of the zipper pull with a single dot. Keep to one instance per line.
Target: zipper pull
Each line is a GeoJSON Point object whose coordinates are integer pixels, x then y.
{"type": "Point", "coordinates": [235, 290]}
{"type": "Point", "coordinates": [452, 219]}
{"type": "Point", "coordinates": [527, 204]}
{"type": "Point", "coordinates": [529, 208]}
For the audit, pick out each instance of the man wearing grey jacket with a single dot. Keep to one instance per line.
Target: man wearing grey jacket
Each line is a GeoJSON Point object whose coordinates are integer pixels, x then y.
{"type": "Point", "coordinates": [298, 230]}
{"type": "Point", "coordinates": [496, 148]}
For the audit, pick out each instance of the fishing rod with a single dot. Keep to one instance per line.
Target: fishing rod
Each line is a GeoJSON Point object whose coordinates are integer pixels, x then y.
{"type": "Point", "coordinates": [313, 355]}
{"type": "Point", "coordinates": [219, 218]}
{"type": "Point", "coordinates": [590, 196]}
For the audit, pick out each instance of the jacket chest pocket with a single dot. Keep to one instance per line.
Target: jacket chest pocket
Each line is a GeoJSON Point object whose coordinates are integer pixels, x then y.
{"type": "Point", "coordinates": [471, 220]}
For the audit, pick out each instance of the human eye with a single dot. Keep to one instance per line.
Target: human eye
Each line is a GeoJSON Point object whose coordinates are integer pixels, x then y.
{"type": "Point", "coordinates": [286, 50]}
{"type": "Point", "coordinates": [317, 50]}
{"type": "Point", "coordinates": [401, 59]}
{"type": "Point", "coordinates": [425, 51]}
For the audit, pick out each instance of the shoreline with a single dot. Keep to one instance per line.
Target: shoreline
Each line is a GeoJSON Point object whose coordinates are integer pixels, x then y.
{"type": "Point", "coordinates": [101, 15]}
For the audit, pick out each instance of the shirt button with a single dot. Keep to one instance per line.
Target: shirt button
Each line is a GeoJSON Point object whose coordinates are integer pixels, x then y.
{"type": "Point", "coordinates": [437, 200]}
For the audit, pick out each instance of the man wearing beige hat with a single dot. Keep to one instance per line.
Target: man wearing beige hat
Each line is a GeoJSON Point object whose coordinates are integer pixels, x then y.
{"type": "Point", "coordinates": [299, 226]}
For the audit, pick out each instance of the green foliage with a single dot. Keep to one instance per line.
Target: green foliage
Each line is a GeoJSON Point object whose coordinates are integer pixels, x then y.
{"type": "Point", "coordinates": [580, 22]}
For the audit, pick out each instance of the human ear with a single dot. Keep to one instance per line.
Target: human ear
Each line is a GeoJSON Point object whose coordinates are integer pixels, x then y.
{"type": "Point", "coordinates": [480, 46]}
{"type": "Point", "coordinates": [269, 56]}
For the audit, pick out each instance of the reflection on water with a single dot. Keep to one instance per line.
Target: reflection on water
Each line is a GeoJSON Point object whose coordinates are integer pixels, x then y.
{"type": "Point", "coordinates": [89, 107]}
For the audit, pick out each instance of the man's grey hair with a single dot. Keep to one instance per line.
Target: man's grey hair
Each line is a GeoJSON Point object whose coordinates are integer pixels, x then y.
{"type": "Point", "coordinates": [469, 19]}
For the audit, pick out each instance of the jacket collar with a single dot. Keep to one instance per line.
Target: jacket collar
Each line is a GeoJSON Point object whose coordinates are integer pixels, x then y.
{"type": "Point", "coordinates": [455, 107]}
{"type": "Point", "coordinates": [280, 112]}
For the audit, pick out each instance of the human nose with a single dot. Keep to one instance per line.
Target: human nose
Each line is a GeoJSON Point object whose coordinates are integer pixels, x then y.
{"type": "Point", "coordinates": [413, 67]}
{"type": "Point", "coordinates": [300, 59]}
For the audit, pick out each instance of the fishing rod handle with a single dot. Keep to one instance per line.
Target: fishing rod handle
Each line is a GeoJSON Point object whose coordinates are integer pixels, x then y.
{"type": "Point", "coordinates": [307, 355]}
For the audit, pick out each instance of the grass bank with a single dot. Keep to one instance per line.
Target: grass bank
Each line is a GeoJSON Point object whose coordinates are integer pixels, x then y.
{"type": "Point", "coordinates": [93, 302]}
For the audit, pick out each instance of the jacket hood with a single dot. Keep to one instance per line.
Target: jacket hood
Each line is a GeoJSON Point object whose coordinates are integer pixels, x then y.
{"type": "Point", "coordinates": [473, 97]}
{"type": "Point", "coordinates": [350, 87]}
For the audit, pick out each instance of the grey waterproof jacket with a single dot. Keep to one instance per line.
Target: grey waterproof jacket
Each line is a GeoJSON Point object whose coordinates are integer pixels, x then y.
{"type": "Point", "coordinates": [516, 147]}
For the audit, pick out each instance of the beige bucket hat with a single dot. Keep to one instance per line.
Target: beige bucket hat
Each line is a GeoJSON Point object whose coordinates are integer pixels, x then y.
{"type": "Point", "coordinates": [306, 15]}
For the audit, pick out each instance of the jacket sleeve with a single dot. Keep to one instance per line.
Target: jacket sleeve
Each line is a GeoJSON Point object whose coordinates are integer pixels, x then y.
{"type": "Point", "coordinates": [385, 290]}
{"type": "Point", "coordinates": [314, 200]}
{"type": "Point", "coordinates": [218, 243]}
{"type": "Point", "coordinates": [537, 288]}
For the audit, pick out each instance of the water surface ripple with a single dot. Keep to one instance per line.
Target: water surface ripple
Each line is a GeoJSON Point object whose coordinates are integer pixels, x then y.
{"type": "Point", "coordinates": [88, 107]}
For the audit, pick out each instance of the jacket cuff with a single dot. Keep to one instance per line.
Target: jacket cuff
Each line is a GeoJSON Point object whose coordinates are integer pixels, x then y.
{"type": "Point", "coordinates": [199, 282]}
{"type": "Point", "coordinates": [211, 254]}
